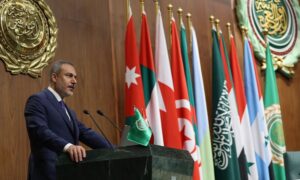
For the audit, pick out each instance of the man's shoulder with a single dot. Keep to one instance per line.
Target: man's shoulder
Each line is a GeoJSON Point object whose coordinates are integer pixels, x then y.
{"type": "Point", "coordinates": [36, 101]}
{"type": "Point", "coordinates": [40, 96]}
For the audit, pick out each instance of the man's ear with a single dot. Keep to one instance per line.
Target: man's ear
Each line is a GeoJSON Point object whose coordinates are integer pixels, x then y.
{"type": "Point", "coordinates": [53, 77]}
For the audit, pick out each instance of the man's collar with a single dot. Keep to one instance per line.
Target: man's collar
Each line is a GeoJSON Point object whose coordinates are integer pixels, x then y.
{"type": "Point", "coordinates": [57, 96]}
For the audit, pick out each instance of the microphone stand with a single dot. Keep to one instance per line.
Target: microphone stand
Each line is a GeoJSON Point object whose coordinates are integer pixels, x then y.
{"type": "Point", "coordinates": [98, 127]}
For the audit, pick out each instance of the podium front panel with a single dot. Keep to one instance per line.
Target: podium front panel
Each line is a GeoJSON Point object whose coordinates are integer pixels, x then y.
{"type": "Point", "coordinates": [132, 162]}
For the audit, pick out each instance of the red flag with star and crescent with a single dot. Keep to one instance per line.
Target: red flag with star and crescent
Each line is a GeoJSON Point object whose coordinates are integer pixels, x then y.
{"type": "Point", "coordinates": [183, 105]}
{"type": "Point", "coordinates": [134, 96]}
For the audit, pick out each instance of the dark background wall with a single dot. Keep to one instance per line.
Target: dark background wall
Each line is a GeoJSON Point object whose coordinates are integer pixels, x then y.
{"type": "Point", "coordinates": [91, 35]}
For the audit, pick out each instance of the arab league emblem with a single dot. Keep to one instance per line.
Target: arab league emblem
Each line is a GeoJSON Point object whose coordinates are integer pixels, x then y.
{"type": "Point", "coordinates": [28, 36]}
{"type": "Point", "coordinates": [281, 19]}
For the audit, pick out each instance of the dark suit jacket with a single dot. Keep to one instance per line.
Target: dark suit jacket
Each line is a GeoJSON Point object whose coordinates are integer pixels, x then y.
{"type": "Point", "coordinates": [49, 130]}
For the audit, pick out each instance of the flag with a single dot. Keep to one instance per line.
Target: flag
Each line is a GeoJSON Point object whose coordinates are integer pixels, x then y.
{"type": "Point", "coordinates": [223, 143]}
{"type": "Point", "coordinates": [201, 113]}
{"type": "Point", "coordinates": [246, 133]}
{"type": "Point", "coordinates": [256, 115]}
{"type": "Point", "coordinates": [274, 120]}
{"type": "Point", "coordinates": [186, 65]}
{"type": "Point", "coordinates": [236, 123]}
{"type": "Point", "coordinates": [139, 132]}
{"type": "Point", "coordinates": [150, 83]}
{"type": "Point", "coordinates": [184, 109]}
{"type": "Point", "coordinates": [134, 95]}
{"type": "Point", "coordinates": [171, 133]}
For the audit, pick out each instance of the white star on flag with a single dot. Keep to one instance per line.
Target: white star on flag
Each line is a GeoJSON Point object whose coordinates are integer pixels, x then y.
{"type": "Point", "coordinates": [130, 76]}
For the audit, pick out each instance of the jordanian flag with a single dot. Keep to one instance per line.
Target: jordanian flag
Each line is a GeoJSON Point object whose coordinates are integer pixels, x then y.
{"type": "Point", "coordinates": [150, 83]}
{"type": "Point", "coordinates": [223, 143]}
{"type": "Point", "coordinates": [134, 95]}
{"type": "Point", "coordinates": [273, 117]}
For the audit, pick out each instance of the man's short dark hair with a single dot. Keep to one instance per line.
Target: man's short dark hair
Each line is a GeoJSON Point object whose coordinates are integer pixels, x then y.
{"type": "Point", "coordinates": [56, 67]}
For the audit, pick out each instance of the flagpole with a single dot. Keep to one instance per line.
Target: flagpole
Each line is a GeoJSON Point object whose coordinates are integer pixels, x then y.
{"type": "Point", "coordinates": [246, 33]}
{"type": "Point", "coordinates": [212, 22]}
{"type": "Point", "coordinates": [127, 10]}
{"type": "Point", "coordinates": [228, 25]}
{"type": "Point", "coordinates": [142, 6]}
{"type": "Point", "coordinates": [189, 24]}
{"type": "Point", "coordinates": [217, 23]}
{"type": "Point", "coordinates": [170, 10]}
{"type": "Point", "coordinates": [179, 12]}
{"type": "Point", "coordinates": [264, 62]}
{"type": "Point", "coordinates": [265, 33]}
{"type": "Point", "coordinates": [243, 34]}
{"type": "Point", "coordinates": [189, 20]}
{"type": "Point", "coordinates": [156, 6]}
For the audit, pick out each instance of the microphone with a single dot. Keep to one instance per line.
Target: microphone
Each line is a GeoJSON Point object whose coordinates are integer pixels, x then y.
{"type": "Point", "coordinates": [98, 127]}
{"type": "Point", "coordinates": [109, 120]}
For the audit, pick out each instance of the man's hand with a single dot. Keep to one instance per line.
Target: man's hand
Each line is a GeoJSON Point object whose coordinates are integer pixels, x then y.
{"type": "Point", "coordinates": [77, 153]}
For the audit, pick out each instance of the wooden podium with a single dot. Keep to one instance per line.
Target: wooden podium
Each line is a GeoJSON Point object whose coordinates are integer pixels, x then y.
{"type": "Point", "coordinates": [128, 163]}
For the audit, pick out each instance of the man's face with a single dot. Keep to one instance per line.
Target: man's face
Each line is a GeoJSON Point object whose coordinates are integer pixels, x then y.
{"type": "Point", "coordinates": [64, 82]}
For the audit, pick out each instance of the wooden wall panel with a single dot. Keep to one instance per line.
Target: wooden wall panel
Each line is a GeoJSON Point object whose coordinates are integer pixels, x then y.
{"type": "Point", "coordinates": [91, 35]}
{"type": "Point", "coordinates": [84, 38]}
{"type": "Point", "coordinates": [290, 105]}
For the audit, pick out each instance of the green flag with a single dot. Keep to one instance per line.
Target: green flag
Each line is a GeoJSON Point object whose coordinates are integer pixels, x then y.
{"type": "Point", "coordinates": [224, 150]}
{"type": "Point", "coordinates": [193, 133]}
{"type": "Point", "coordinates": [139, 132]}
{"type": "Point", "coordinates": [273, 118]}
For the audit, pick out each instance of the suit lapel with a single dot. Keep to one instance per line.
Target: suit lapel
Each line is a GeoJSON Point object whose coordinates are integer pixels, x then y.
{"type": "Point", "coordinates": [74, 122]}
{"type": "Point", "coordinates": [60, 110]}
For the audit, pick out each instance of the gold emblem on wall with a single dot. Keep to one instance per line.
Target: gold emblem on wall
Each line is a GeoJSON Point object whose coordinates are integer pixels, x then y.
{"type": "Point", "coordinates": [281, 18]}
{"type": "Point", "coordinates": [28, 36]}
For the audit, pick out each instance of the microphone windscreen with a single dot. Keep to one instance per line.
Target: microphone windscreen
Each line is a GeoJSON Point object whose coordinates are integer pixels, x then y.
{"type": "Point", "coordinates": [100, 112]}
{"type": "Point", "coordinates": [86, 111]}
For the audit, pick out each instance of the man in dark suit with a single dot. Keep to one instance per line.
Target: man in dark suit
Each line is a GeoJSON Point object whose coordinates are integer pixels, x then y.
{"type": "Point", "coordinates": [53, 128]}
